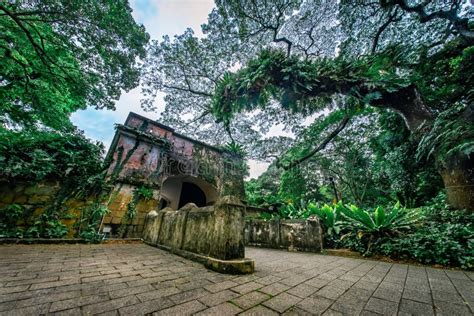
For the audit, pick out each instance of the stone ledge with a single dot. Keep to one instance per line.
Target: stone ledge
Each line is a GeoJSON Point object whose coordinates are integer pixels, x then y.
{"type": "Point", "coordinates": [282, 247]}
{"type": "Point", "coordinates": [235, 266]}
{"type": "Point", "coordinates": [28, 241]}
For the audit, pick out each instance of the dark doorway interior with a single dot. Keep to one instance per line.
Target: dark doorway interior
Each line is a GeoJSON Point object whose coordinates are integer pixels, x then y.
{"type": "Point", "coordinates": [163, 204]}
{"type": "Point", "coordinates": [191, 193]}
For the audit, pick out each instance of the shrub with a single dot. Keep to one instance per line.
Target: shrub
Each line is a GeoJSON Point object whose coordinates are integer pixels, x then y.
{"type": "Point", "coordinates": [445, 236]}
{"type": "Point", "coordinates": [47, 226]}
{"type": "Point", "coordinates": [32, 156]}
{"type": "Point", "coordinates": [90, 222]}
{"type": "Point", "coordinates": [329, 216]}
{"type": "Point", "coordinates": [9, 216]}
{"type": "Point", "coordinates": [36, 155]}
{"type": "Point", "coordinates": [348, 226]}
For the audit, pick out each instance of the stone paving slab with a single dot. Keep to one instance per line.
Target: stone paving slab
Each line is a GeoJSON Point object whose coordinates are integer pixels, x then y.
{"type": "Point", "coordinates": [136, 279]}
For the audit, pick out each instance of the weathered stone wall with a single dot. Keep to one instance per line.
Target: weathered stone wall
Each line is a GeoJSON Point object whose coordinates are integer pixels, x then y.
{"type": "Point", "coordinates": [147, 154]}
{"type": "Point", "coordinates": [118, 206]}
{"type": "Point", "coordinates": [215, 231]}
{"type": "Point", "coordinates": [32, 197]}
{"type": "Point", "coordinates": [303, 235]}
{"type": "Point", "coordinates": [35, 199]}
{"type": "Point", "coordinates": [144, 155]}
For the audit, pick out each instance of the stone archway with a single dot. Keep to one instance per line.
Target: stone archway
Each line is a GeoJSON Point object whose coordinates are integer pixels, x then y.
{"type": "Point", "coordinates": [191, 193]}
{"type": "Point", "coordinates": [180, 190]}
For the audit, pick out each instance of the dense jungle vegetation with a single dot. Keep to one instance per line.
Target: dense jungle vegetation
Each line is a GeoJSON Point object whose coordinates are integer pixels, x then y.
{"type": "Point", "coordinates": [58, 57]}
{"type": "Point", "coordinates": [377, 97]}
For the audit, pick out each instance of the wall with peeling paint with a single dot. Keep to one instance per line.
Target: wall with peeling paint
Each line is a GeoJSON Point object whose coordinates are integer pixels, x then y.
{"type": "Point", "coordinates": [145, 153]}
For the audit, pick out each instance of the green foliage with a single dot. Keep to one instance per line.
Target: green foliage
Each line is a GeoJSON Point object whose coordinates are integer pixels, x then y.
{"type": "Point", "coordinates": [143, 193]}
{"type": "Point", "coordinates": [359, 229]}
{"type": "Point", "coordinates": [329, 216]}
{"type": "Point", "coordinates": [59, 56]}
{"type": "Point", "coordinates": [445, 236]}
{"type": "Point", "coordinates": [446, 77]}
{"type": "Point", "coordinates": [9, 216]}
{"type": "Point", "coordinates": [140, 193]}
{"type": "Point", "coordinates": [433, 234]}
{"type": "Point", "coordinates": [47, 225]}
{"type": "Point", "coordinates": [289, 211]}
{"type": "Point", "coordinates": [370, 226]}
{"type": "Point", "coordinates": [34, 156]}
{"type": "Point", "coordinates": [90, 221]}
{"type": "Point", "coordinates": [235, 148]}
{"type": "Point", "coordinates": [398, 174]}
{"type": "Point", "coordinates": [131, 210]}
{"type": "Point", "coordinates": [380, 221]}
{"type": "Point", "coordinates": [253, 193]}
{"type": "Point", "coordinates": [451, 134]}
{"type": "Point", "coordinates": [292, 186]}
{"type": "Point", "coordinates": [305, 86]}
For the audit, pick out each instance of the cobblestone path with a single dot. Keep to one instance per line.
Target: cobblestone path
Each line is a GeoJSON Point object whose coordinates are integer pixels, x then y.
{"type": "Point", "coordinates": [134, 279]}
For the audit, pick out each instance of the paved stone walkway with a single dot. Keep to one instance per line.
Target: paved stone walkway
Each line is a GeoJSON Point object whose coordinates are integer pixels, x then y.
{"type": "Point", "coordinates": [136, 279]}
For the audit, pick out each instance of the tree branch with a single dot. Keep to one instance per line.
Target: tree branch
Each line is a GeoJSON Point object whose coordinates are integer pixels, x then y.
{"type": "Point", "coordinates": [44, 57]}
{"type": "Point", "coordinates": [392, 18]}
{"type": "Point", "coordinates": [202, 93]}
{"type": "Point", "coordinates": [460, 24]}
{"type": "Point", "coordinates": [320, 147]}
{"type": "Point", "coordinates": [40, 52]}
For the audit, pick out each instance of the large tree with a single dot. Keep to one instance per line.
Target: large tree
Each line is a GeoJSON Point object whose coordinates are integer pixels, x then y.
{"type": "Point", "coordinates": [412, 57]}
{"type": "Point", "coordinates": [59, 56]}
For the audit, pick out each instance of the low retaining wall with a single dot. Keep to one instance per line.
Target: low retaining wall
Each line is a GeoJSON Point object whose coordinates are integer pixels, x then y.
{"type": "Point", "coordinates": [302, 235]}
{"type": "Point", "coordinates": [213, 235]}
{"type": "Point", "coordinates": [35, 199]}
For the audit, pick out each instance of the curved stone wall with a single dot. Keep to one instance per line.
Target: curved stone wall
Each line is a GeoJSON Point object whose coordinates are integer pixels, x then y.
{"type": "Point", "coordinates": [212, 234]}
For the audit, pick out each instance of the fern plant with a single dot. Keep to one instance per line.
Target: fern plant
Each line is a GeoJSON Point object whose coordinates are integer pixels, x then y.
{"type": "Point", "coordinates": [451, 134]}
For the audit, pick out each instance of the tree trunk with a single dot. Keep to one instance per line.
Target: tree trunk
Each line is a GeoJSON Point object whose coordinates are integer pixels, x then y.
{"type": "Point", "coordinates": [408, 103]}
{"type": "Point", "coordinates": [458, 171]}
{"type": "Point", "coordinates": [458, 178]}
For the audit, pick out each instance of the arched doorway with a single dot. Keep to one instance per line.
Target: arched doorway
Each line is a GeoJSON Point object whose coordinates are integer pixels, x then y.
{"type": "Point", "coordinates": [191, 193]}
{"type": "Point", "coordinates": [179, 190]}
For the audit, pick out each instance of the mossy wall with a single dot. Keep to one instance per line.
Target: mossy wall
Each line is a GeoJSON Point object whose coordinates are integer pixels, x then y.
{"type": "Point", "coordinates": [120, 219]}
{"type": "Point", "coordinates": [145, 153]}
{"type": "Point", "coordinates": [142, 156]}
{"type": "Point", "coordinates": [303, 235]}
{"type": "Point", "coordinates": [215, 231]}
{"type": "Point", "coordinates": [36, 199]}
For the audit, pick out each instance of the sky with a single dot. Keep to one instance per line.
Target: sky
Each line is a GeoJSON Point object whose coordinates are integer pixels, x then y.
{"type": "Point", "coordinates": [160, 17]}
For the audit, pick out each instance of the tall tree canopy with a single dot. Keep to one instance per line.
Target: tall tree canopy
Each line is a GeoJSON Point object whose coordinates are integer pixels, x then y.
{"type": "Point", "coordinates": [284, 62]}
{"type": "Point", "coordinates": [192, 71]}
{"type": "Point", "coordinates": [59, 56]}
